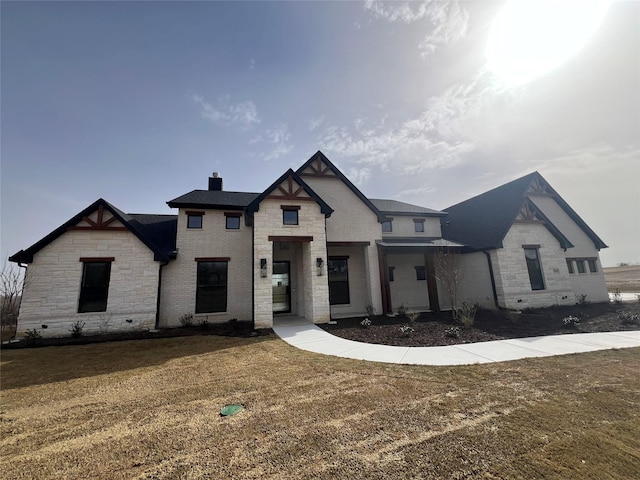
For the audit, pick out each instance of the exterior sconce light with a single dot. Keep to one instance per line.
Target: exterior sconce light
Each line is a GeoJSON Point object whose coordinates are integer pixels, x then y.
{"type": "Point", "coordinates": [319, 263]}
{"type": "Point", "coordinates": [263, 267]}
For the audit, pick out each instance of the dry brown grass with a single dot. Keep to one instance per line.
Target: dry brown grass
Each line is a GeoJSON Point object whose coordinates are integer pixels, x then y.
{"type": "Point", "coordinates": [149, 409]}
{"type": "Point", "coordinates": [625, 279]}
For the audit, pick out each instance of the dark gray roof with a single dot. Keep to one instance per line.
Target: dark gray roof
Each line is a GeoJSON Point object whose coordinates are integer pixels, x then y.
{"type": "Point", "coordinates": [483, 221]}
{"type": "Point", "coordinates": [213, 199]}
{"type": "Point", "coordinates": [402, 208]}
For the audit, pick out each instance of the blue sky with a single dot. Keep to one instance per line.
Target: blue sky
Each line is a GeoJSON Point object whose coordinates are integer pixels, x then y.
{"type": "Point", "coordinates": [138, 102]}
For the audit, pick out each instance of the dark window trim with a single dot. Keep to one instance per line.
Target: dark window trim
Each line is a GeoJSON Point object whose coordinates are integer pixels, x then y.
{"type": "Point", "coordinates": [194, 212]}
{"type": "Point", "coordinates": [592, 262]}
{"type": "Point", "coordinates": [212, 259]}
{"type": "Point", "coordinates": [227, 218]}
{"type": "Point", "coordinates": [580, 266]}
{"type": "Point", "coordinates": [421, 273]}
{"type": "Point", "coordinates": [390, 222]}
{"type": "Point", "coordinates": [290, 207]}
{"type": "Point", "coordinates": [96, 259]}
{"type": "Point", "coordinates": [570, 266]}
{"type": "Point", "coordinates": [194, 215]}
{"type": "Point", "coordinates": [334, 285]}
{"type": "Point", "coordinates": [418, 225]}
{"type": "Point", "coordinates": [392, 274]}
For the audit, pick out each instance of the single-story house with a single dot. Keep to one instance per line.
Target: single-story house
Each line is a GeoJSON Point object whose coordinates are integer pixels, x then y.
{"type": "Point", "coordinates": [311, 244]}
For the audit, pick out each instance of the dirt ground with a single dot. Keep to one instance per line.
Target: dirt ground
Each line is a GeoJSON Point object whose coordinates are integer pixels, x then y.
{"type": "Point", "coordinates": [149, 409]}
{"type": "Point", "coordinates": [431, 329]}
{"type": "Point", "coordinates": [625, 279]}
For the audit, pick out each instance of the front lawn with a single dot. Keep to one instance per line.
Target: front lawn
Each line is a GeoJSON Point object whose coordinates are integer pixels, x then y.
{"type": "Point", "coordinates": [150, 409]}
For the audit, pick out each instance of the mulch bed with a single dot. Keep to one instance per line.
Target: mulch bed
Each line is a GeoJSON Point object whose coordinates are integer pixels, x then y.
{"type": "Point", "coordinates": [430, 329]}
{"type": "Point", "coordinates": [241, 329]}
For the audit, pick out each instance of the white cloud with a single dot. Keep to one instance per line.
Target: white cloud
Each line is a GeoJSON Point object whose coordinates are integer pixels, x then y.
{"type": "Point", "coordinates": [243, 114]}
{"type": "Point", "coordinates": [448, 20]}
{"type": "Point", "coordinates": [411, 192]}
{"type": "Point", "coordinates": [315, 122]}
{"type": "Point", "coordinates": [358, 175]}
{"type": "Point", "coordinates": [278, 140]}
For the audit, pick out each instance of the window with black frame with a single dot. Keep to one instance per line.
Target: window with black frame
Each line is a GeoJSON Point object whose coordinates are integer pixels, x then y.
{"type": "Point", "coordinates": [338, 269]}
{"type": "Point", "coordinates": [94, 290]}
{"type": "Point", "coordinates": [211, 292]}
{"type": "Point", "coordinates": [533, 266]}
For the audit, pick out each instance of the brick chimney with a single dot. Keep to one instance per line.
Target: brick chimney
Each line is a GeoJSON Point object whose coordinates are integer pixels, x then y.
{"type": "Point", "coordinates": [215, 182]}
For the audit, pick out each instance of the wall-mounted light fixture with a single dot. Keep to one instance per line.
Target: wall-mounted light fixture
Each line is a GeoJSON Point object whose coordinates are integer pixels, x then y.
{"type": "Point", "coordinates": [319, 263]}
{"type": "Point", "coordinates": [263, 267]}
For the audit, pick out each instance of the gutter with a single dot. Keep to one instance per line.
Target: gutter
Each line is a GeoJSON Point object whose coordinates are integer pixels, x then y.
{"type": "Point", "coordinates": [162, 264]}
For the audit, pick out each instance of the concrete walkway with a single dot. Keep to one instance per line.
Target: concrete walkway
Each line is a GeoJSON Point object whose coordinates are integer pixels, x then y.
{"type": "Point", "coordinates": [306, 336]}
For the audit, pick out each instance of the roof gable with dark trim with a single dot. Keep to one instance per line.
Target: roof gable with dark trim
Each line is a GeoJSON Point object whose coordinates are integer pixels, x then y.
{"type": "Point", "coordinates": [483, 221]}
{"type": "Point", "coordinates": [157, 232]}
{"type": "Point", "coordinates": [320, 166]}
{"type": "Point", "coordinates": [289, 187]}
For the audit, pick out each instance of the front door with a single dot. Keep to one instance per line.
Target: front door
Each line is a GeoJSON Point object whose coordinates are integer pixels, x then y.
{"type": "Point", "coordinates": [281, 287]}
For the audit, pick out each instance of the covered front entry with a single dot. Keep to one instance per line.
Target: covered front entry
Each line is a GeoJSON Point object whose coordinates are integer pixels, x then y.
{"type": "Point", "coordinates": [281, 281]}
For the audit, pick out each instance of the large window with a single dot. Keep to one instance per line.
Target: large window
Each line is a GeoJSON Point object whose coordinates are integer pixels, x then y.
{"type": "Point", "coordinates": [194, 219]}
{"type": "Point", "coordinates": [290, 215]}
{"type": "Point", "coordinates": [211, 292]}
{"type": "Point", "coordinates": [94, 289]}
{"type": "Point", "coordinates": [535, 270]}
{"type": "Point", "coordinates": [232, 221]}
{"type": "Point", "coordinates": [338, 280]}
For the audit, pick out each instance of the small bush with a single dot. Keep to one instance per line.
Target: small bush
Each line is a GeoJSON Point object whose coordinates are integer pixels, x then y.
{"type": "Point", "coordinates": [76, 328]}
{"type": "Point", "coordinates": [581, 299]}
{"type": "Point", "coordinates": [406, 330]}
{"type": "Point", "coordinates": [467, 313]}
{"type": "Point", "coordinates": [571, 321]}
{"type": "Point", "coordinates": [204, 324]}
{"type": "Point", "coordinates": [638, 297]}
{"type": "Point", "coordinates": [453, 332]}
{"type": "Point", "coordinates": [186, 320]}
{"type": "Point", "coordinates": [402, 311]}
{"type": "Point", "coordinates": [629, 318]}
{"type": "Point", "coordinates": [413, 316]}
{"type": "Point", "coordinates": [32, 336]}
{"type": "Point", "coordinates": [617, 296]}
{"type": "Point", "coordinates": [370, 311]}
{"type": "Point", "coordinates": [365, 323]}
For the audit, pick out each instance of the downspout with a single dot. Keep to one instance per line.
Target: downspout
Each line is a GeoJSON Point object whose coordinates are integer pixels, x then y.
{"type": "Point", "coordinates": [253, 273]}
{"type": "Point", "coordinates": [24, 282]}
{"type": "Point", "coordinates": [162, 264]}
{"type": "Point", "coordinates": [493, 281]}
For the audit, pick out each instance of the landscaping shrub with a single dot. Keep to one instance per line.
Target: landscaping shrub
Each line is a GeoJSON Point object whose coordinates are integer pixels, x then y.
{"type": "Point", "coordinates": [571, 321]}
{"type": "Point", "coordinates": [617, 296]}
{"type": "Point", "coordinates": [453, 332]}
{"type": "Point", "coordinates": [186, 320]}
{"type": "Point", "coordinates": [371, 311]}
{"type": "Point", "coordinates": [467, 313]}
{"type": "Point", "coordinates": [629, 318]}
{"type": "Point", "coordinates": [406, 330]}
{"type": "Point", "coordinates": [402, 311]}
{"type": "Point", "coordinates": [32, 336]}
{"type": "Point", "coordinates": [365, 323]}
{"type": "Point", "coordinates": [76, 329]}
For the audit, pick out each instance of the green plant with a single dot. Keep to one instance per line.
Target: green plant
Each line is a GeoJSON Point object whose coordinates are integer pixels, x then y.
{"type": "Point", "coordinates": [413, 316]}
{"type": "Point", "coordinates": [581, 299]}
{"type": "Point", "coordinates": [453, 332]}
{"type": "Point", "coordinates": [370, 310]}
{"type": "Point", "coordinates": [186, 320]}
{"type": "Point", "coordinates": [204, 324]}
{"type": "Point", "coordinates": [76, 328]}
{"type": "Point", "coordinates": [571, 321]}
{"type": "Point", "coordinates": [402, 311]}
{"type": "Point", "coordinates": [32, 336]}
{"type": "Point", "coordinates": [466, 313]}
{"type": "Point", "coordinates": [365, 323]}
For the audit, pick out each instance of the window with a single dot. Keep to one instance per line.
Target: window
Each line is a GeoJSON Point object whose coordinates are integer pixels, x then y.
{"type": "Point", "coordinates": [580, 265]}
{"type": "Point", "coordinates": [211, 292]}
{"type": "Point", "coordinates": [290, 215]}
{"type": "Point", "coordinates": [194, 219]}
{"type": "Point", "coordinates": [418, 225]}
{"type": "Point", "coordinates": [570, 266]}
{"type": "Point", "coordinates": [391, 271]}
{"type": "Point", "coordinates": [387, 227]}
{"type": "Point", "coordinates": [534, 268]}
{"type": "Point", "coordinates": [338, 280]}
{"type": "Point", "coordinates": [232, 221]}
{"type": "Point", "coordinates": [94, 289]}
{"type": "Point", "coordinates": [421, 273]}
{"type": "Point", "coordinates": [593, 268]}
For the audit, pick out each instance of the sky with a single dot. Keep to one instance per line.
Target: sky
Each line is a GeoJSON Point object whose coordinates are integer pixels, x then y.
{"type": "Point", "coordinates": [139, 102]}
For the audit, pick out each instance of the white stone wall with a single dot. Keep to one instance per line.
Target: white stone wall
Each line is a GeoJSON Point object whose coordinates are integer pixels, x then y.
{"type": "Point", "coordinates": [475, 286]}
{"type": "Point", "coordinates": [405, 289]}
{"type": "Point", "coordinates": [404, 227]}
{"type": "Point", "coordinates": [52, 295]}
{"type": "Point", "coordinates": [352, 221]}
{"type": "Point", "coordinates": [514, 290]}
{"type": "Point", "coordinates": [267, 221]}
{"type": "Point", "coordinates": [179, 277]}
{"type": "Point", "coordinates": [591, 284]}
{"type": "Point", "coordinates": [359, 291]}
